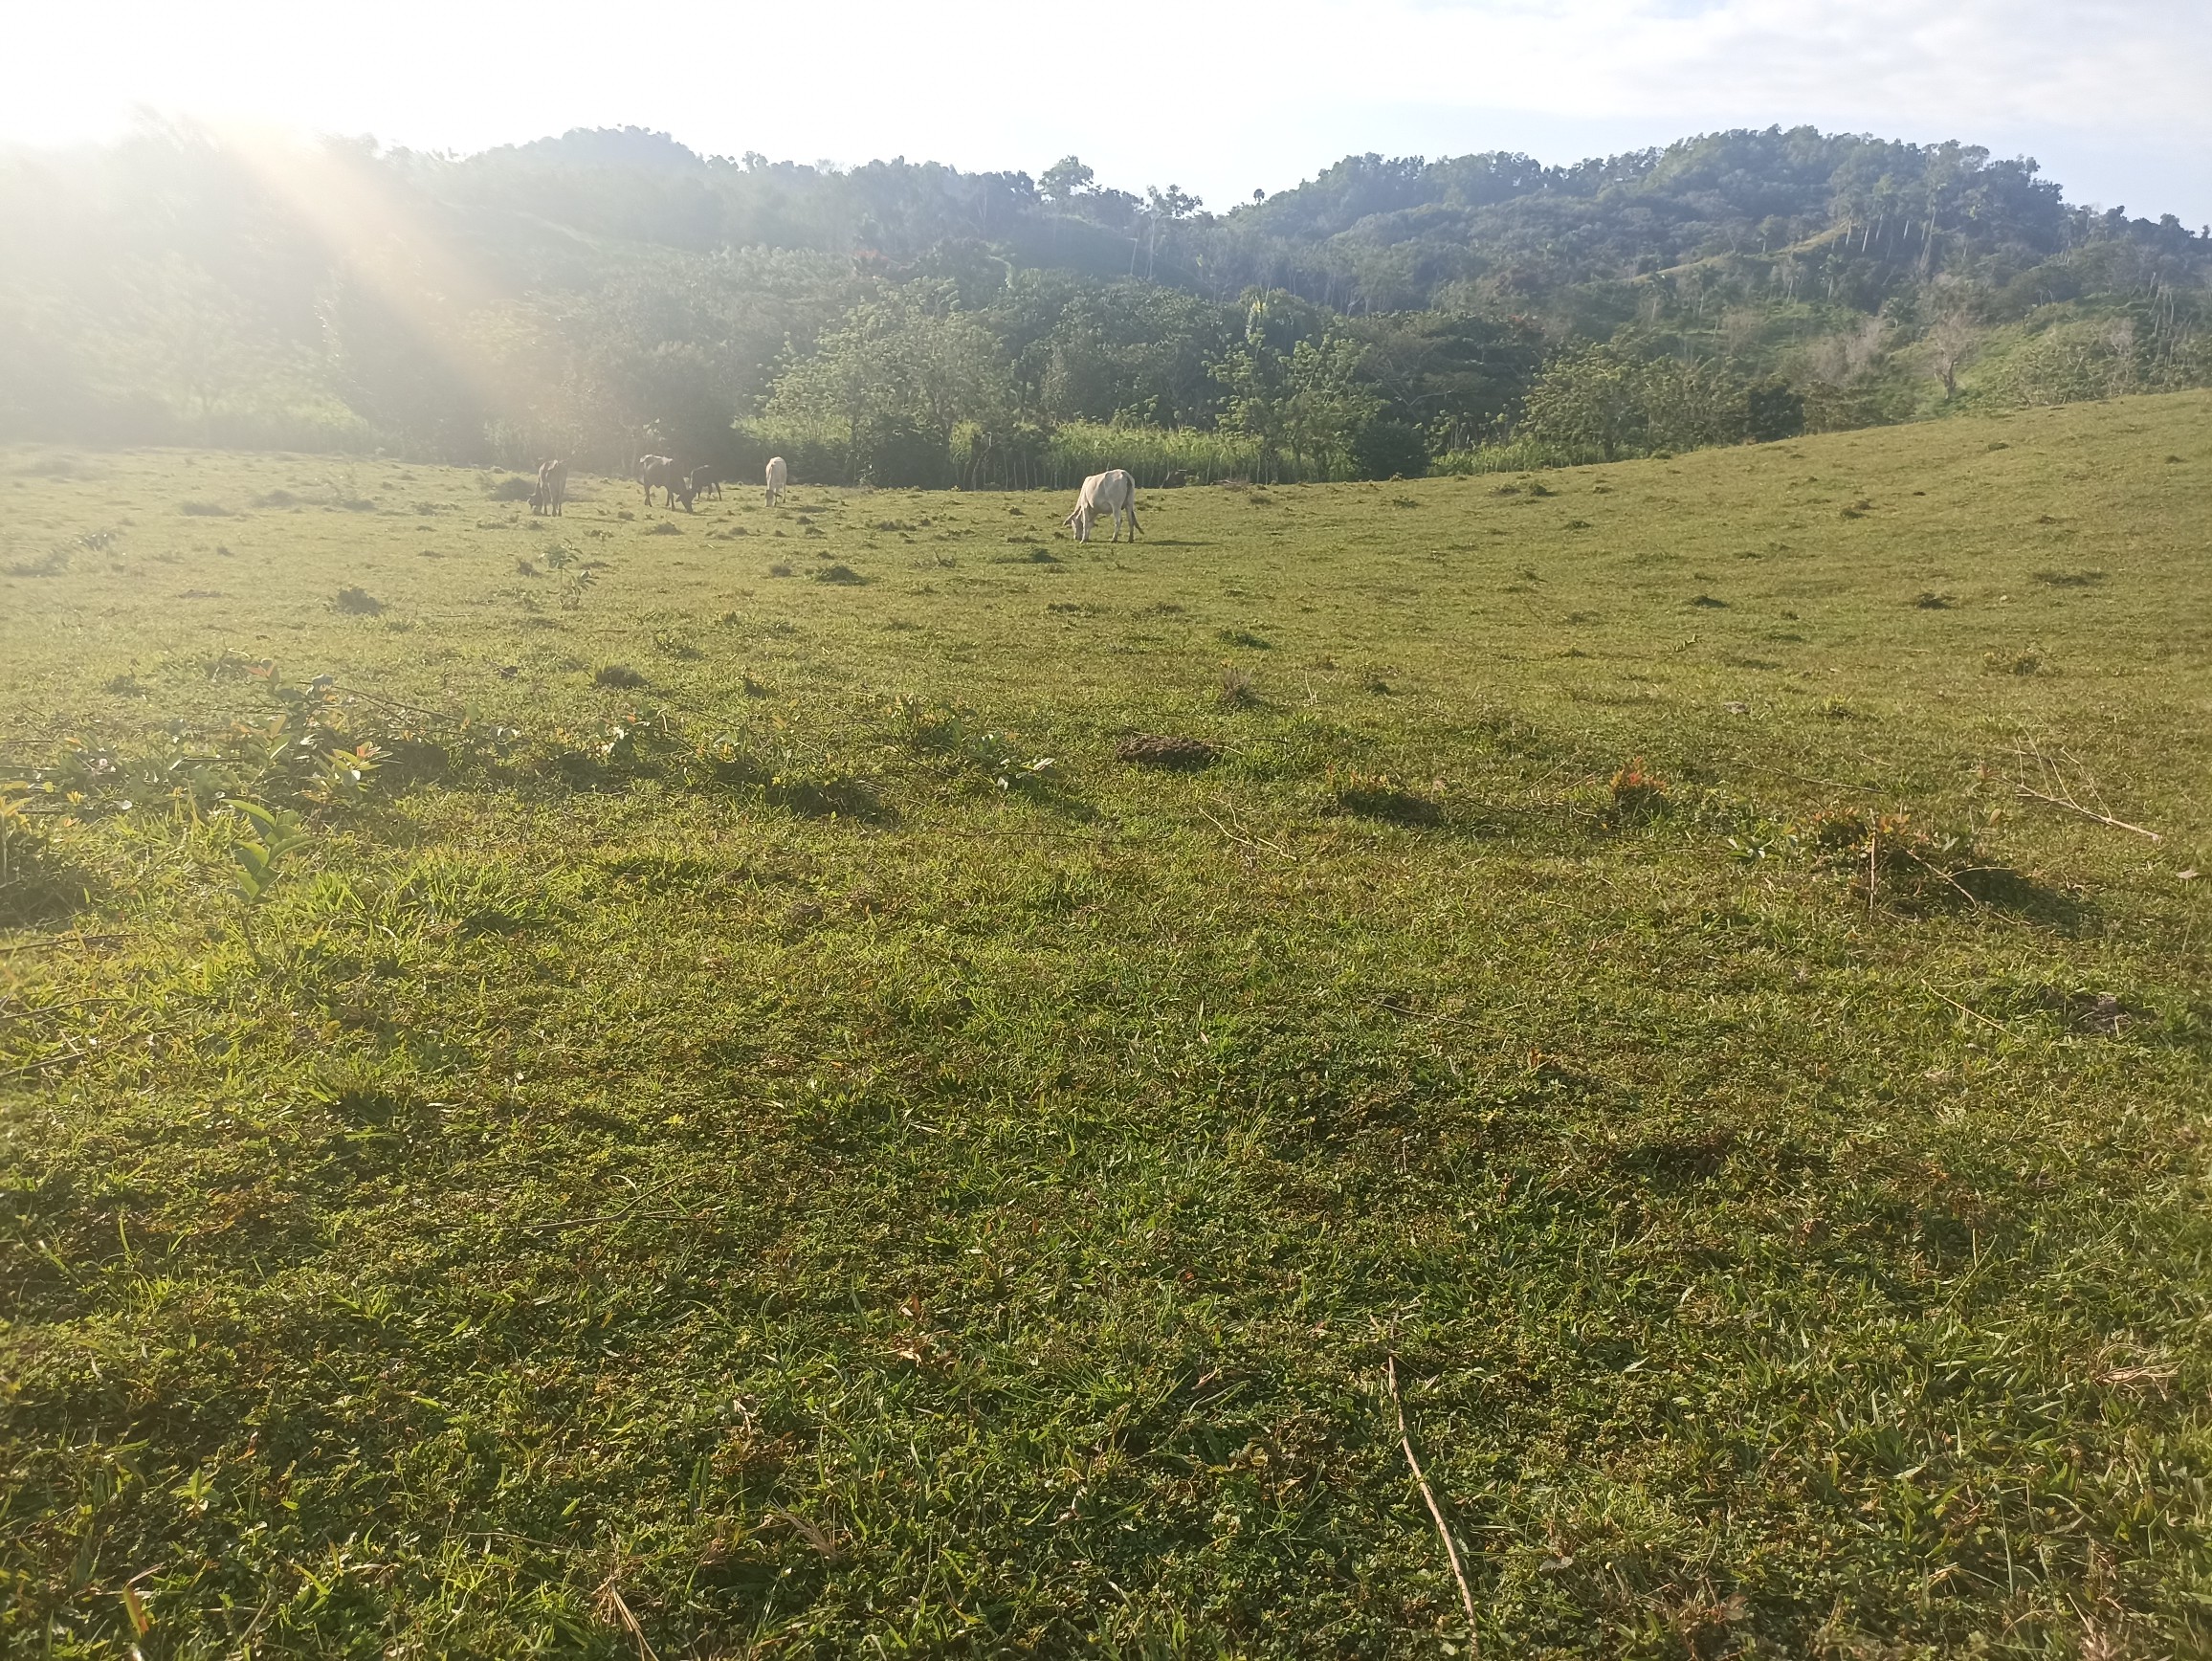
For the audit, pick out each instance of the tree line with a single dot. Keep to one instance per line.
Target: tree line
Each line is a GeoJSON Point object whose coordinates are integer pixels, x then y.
{"type": "Point", "coordinates": [610, 292]}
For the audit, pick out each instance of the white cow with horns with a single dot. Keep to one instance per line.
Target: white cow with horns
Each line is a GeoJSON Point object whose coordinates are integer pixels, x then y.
{"type": "Point", "coordinates": [1113, 492]}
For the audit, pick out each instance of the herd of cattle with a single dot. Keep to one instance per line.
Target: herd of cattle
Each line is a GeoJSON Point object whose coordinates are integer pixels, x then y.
{"type": "Point", "coordinates": [1110, 494]}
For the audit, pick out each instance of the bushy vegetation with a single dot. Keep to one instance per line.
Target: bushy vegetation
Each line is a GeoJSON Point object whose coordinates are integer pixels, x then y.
{"type": "Point", "coordinates": [613, 1098]}
{"type": "Point", "coordinates": [606, 294]}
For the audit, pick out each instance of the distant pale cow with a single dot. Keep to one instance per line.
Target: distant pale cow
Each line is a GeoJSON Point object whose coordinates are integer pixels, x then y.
{"type": "Point", "coordinates": [552, 487]}
{"type": "Point", "coordinates": [1112, 493]}
{"type": "Point", "coordinates": [778, 477]}
{"type": "Point", "coordinates": [706, 481]}
{"type": "Point", "coordinates": [658, 473]}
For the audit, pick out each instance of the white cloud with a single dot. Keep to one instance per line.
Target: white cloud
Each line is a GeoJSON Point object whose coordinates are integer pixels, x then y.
{"type": "Point", "coordinates": [1218, 96]}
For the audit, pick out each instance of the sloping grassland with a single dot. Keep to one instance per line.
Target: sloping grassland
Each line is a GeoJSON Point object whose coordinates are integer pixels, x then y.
{"type": "Point", "coordinates": [699, 1102]}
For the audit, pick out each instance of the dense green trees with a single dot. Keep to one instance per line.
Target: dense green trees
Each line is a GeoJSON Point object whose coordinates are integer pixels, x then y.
{"type": "Point", "coordinates": [893, 379]}
{"type": "Point", "coordinates": [605, 291]}
{"type": "Point", "coordinates": [1602, 402]}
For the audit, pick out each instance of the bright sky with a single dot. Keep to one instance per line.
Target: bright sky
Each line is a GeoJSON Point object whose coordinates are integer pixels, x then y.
{"type": "Point", "coordinates": [2113, 97]}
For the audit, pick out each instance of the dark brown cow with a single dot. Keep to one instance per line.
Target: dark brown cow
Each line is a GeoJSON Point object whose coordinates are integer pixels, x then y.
{"type": "Point", "coordinates": [659, 473]}
{"type": "Point", "coordinates": [706, 481]}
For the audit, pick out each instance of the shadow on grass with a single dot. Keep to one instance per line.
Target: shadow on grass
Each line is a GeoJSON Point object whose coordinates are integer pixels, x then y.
{"type": "Point", "coordinates": [2001, 887]}
{"type": "Point", "coordinates": [42, 891]}
{"type": "Point", "coordinates": [837, 798]}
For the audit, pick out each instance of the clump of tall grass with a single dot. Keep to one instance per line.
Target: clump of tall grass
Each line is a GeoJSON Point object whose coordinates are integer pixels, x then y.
{"type": "Point", "coordinates": [1516, 456]}
{"type": "Point", "coordinates": [1030, 458]}
{"type": "Point", "coordinates": [1158, 457]}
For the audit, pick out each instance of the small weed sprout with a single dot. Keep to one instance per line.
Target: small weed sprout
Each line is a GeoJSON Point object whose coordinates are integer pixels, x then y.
{"type": "Point", "coordinates": [1236, 689]}
{"type": "Point", "coordinates": [358, 602]}
{"type": "Point", "coordinates": [267, 837]}
{"type": "Point", "coordinates": [674, 645]}
{"type": "Point", "coordinates": [1638, 794]}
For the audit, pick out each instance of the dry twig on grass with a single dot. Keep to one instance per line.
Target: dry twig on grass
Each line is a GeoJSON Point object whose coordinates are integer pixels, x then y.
{"type": "Point", "coordinates": [608, 1603]}
{"type": "Point", "coordinates": [622, 1213]}
{"type": "Point", "coordinates": [1255, 843]}
{"type": "Point", "coordinates": [1435, 1510]}
{"type": "Point", "coordinates": [2089, 813]}
{"type": "Point", "coordinates": [2062, 794]}
{"type": "Point", "coordinates": [811, 1533]}
{"type": "Point", "coordinates": [1965, 1010]}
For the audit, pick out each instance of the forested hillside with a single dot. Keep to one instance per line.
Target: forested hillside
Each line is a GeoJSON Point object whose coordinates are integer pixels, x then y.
{"type": "Point", "coordinates": [607, 291]}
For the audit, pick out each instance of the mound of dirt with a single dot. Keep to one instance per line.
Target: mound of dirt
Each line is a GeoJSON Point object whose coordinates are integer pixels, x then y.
{"type": "Point", "coordinates": [1164, 750]}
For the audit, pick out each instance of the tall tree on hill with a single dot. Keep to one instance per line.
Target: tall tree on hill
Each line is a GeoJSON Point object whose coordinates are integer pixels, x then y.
{"type": "Point", "coordinates": [1163, 207]}
{"type": "Point", "coordinates": [1065, 180]}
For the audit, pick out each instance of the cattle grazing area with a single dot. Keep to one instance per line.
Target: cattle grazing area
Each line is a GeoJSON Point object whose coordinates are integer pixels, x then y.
{"type": "Point", "coordinates": [861, 1076]}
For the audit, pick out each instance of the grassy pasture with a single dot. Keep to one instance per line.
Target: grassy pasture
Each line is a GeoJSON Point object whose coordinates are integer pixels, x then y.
{"type": "Point", "coordinates": [718, 1132]}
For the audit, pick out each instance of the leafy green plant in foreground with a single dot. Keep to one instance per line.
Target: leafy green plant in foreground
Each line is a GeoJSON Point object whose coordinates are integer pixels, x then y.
{"type": "Point", "coordinates": [258, 852]}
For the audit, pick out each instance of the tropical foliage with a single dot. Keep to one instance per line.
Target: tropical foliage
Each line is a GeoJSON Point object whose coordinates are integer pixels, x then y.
{"type": "Point", "coordinates": [606, 293]}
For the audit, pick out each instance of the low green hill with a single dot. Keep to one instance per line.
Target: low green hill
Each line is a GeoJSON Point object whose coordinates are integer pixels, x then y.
{"type": "Point", "coordinates": [864, 1075]}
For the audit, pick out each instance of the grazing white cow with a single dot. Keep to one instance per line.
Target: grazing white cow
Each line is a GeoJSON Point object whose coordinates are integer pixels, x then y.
{"type": "Point", "coordinates": [779, 476]}
{"type": "Point", "coordinates": [1112, 493]}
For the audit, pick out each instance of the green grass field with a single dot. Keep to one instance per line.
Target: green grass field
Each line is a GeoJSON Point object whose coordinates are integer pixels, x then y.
{"type": "Point", "coordinates": [748, 1118]}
